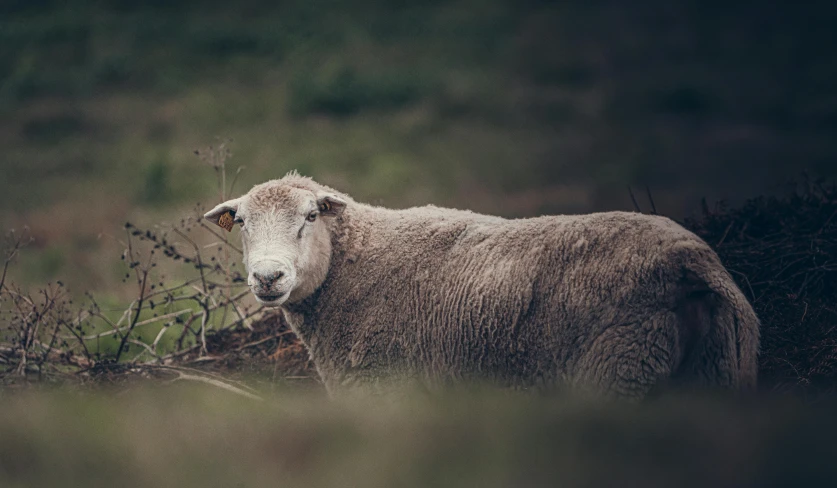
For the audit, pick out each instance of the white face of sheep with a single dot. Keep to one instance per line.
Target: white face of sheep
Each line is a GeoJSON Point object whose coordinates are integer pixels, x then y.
{"type": "Point", "coordinates": [285, 237]}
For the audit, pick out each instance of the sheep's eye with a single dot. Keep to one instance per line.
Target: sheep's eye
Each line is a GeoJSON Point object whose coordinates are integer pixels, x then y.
{"type": "Point", "coordinates": [311, 217]}
{"type": "Point", "coordinates": [238, 220]}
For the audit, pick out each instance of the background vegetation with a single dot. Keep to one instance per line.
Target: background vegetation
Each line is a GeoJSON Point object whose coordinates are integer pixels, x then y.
{"type": "Point", "coordinates": [516, 108]}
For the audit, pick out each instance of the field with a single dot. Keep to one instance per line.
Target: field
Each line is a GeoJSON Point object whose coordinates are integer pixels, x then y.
{"type": "Point", "coordinates": [132, 352]}
{"type": "Point", "coordinates": [514, 108]}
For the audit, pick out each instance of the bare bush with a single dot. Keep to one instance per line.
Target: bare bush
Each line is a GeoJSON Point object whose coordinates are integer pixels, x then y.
{"type": "Point", "coordinates": [45, 332]}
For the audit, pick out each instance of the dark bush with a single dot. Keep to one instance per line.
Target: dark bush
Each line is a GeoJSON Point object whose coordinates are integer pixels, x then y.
{"type": "Point", "coordinates": [783, 254]}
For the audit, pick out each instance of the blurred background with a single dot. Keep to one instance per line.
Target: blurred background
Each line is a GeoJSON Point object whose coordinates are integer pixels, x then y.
{"type": "Point", "coordinates": [516, 108]}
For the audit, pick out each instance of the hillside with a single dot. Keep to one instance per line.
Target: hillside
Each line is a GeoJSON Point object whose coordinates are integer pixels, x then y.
{"type": "Point", "coordinates": [514, 108]}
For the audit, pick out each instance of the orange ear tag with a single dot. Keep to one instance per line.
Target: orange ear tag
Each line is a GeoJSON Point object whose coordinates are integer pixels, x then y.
{"type": "Point", "coordinates": [225, 221]}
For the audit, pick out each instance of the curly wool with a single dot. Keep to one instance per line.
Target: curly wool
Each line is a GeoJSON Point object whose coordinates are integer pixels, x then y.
{"type": "Point", "coordinates": [616, 302]}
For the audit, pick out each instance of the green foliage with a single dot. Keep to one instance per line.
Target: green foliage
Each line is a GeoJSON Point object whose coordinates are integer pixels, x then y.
{"type": "Point", "coordinates": [81, 48]}
{"type": "Point", "coordinates": [512, 108]}
{"type": "Point", "coordinates": [343, 91]}
{"type": "Point", "coordinates": [46, 264]}
{"type": "Point", "coordinates": [156, 189]}
{"type": "Point", "coordinates": [54, 129]}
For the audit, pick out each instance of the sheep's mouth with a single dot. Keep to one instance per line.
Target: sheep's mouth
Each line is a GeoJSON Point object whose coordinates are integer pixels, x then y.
{"type": "Point", "coordinates": [270, 298]}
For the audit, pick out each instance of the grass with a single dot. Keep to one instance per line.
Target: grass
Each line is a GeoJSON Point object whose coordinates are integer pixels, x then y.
{"type": "Point", "coordinates": [185, 435]}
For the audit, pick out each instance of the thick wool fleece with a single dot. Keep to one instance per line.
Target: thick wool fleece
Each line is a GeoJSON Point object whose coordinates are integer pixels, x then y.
{"type": "Point", "coordinates": [616, 302]}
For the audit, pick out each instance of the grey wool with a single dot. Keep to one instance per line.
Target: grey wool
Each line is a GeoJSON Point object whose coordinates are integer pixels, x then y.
{"type": "Point", "coordinates": [619, 303]}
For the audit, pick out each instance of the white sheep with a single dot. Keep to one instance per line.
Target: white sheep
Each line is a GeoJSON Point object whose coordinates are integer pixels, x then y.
{"type": "Point", "coordinates": [616, 302]}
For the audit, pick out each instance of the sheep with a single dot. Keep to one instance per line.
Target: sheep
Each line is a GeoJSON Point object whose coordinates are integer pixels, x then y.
{"type": "Point", "coordinates": [614, 302]}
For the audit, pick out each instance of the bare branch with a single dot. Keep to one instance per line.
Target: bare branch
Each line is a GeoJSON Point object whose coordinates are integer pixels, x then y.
{"type": "Point", "coordinates": [633, 199]}
{"type": "Point", "coordinates": [651, 200]}
{"type": "Point", "coordinates": [216, 383]}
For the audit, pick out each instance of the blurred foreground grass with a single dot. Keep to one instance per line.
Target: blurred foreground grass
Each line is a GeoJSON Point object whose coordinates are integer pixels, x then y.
{"type": "Point", "coordinates": [184, 435]}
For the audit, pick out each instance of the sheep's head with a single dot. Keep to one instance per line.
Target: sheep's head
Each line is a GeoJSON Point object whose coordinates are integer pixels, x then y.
{"type": "Point", "coordinates": [286, 236]}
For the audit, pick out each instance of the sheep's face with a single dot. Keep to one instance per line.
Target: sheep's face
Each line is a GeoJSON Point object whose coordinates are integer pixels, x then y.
{"type": "Point", "coordinates": [286, 239]}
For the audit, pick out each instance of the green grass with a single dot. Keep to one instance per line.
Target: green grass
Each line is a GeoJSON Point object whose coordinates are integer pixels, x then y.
{"type": "Point", "coordinates": [200, 436]}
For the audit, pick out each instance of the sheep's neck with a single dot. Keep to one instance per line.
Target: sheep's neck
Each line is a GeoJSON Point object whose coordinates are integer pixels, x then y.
{"type": "Point", "coordinates": [348, 235]}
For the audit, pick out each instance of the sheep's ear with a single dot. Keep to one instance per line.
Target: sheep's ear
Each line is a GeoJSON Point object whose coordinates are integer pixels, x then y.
{"type": "Point", "coordinates": [222, 215]}
{"type": "Point", "coordinates": [330, 204]}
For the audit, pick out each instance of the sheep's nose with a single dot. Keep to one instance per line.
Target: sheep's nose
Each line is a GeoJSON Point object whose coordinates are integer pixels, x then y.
{"type": "Point", "coordinates": [267, 280]}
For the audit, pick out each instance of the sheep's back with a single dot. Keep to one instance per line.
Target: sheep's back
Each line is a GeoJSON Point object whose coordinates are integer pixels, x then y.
{"type": "Point", "coordinates": [459, 295]}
